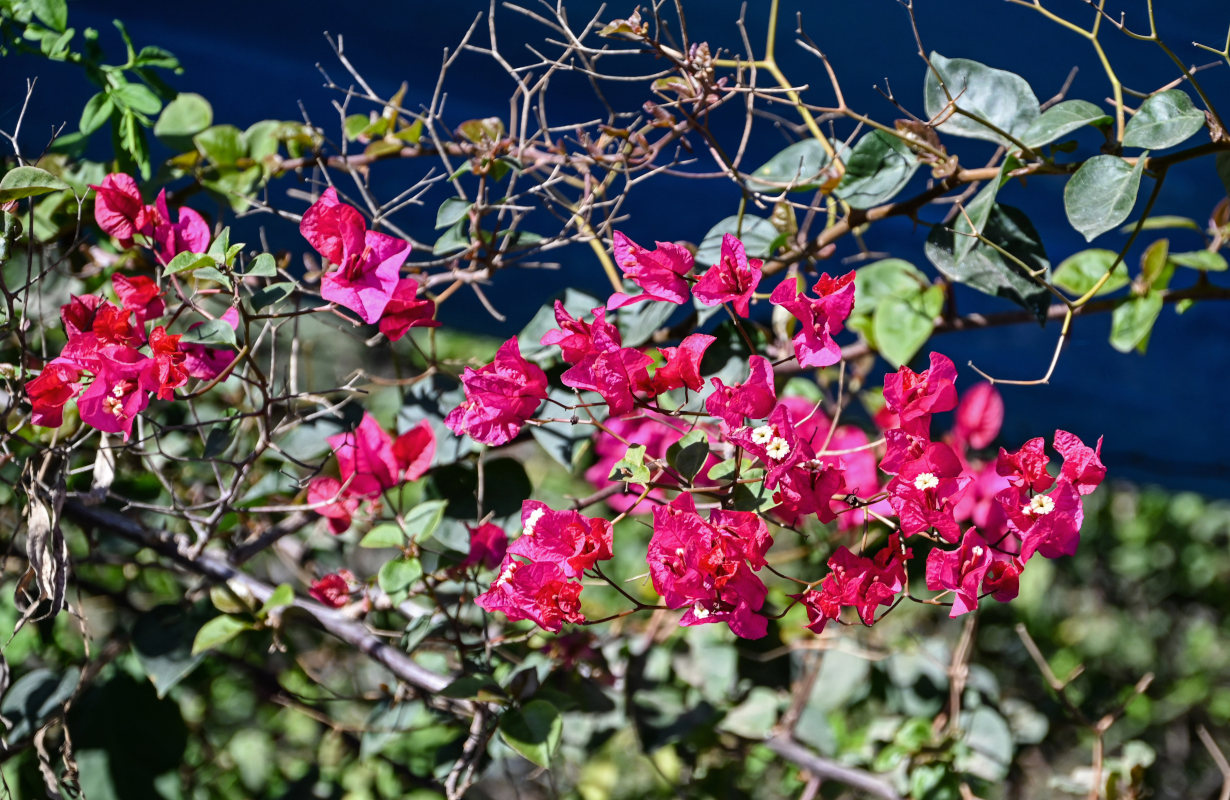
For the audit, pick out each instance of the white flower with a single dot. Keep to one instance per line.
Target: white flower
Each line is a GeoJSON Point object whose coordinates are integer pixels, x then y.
{"type": "Point", "coordinates": [700, 612]}
{"type": "Point", "coordinates": [778, 449]}
{"type": "Point", "coordinates": [1039, 506]}
{"type": "Point", "coordinates": [926, 481]}
{"type": "Point", "coordinates": [763, 434]}
{"type": "Point", "coordinates": [535, 515]}
{"type": "Point", "coordinates": [977, 550]}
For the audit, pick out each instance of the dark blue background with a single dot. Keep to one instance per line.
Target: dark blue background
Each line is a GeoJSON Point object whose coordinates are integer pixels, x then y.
{"type": "Point", "coordinates": [1163, 414]}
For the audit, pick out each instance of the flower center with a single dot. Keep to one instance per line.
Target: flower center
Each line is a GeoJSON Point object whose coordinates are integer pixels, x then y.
{"type": "Point", "coordinates": [926, 481]}
{"type": "Point", "coordinates": [763, 434]}
{"type": "Point", "coordinates": [778, 449]}
{"type": "Point", "coordinates": [1040, 506]}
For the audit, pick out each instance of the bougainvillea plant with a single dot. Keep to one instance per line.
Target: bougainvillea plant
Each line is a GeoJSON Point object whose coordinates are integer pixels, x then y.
{"type": "Point", "coordinates": [605, 530]}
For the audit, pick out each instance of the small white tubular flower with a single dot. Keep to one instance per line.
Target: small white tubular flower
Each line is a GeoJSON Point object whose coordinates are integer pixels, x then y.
{"type": "Point", "coordinates": [763, 434]}
{"type": "Point", "coordinates": [1039, 506]}
{"type": "Point", "coordinates": [535, 515]}
{"type": "Point", "coordinates": [778, 449]}
{"type": "Point", "coordinates": [700, 612]}
{"type": "Point", "coordinates": [926, 481]}
{"type": "Point", "coordinates": [977, 550]}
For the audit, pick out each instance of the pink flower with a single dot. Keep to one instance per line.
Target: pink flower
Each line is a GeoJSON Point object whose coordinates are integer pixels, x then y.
{"type": "Point", "coordinates": [190, 234]}
{"type": "Point", "coordinates": [414, 451]}
{"type": "Point", "coordinates": [914, 397]}
{"type": "Point", "coordinates": [818, 318]}
{"type": "Point", "coordinates": [754, 398]}
{"type": "Point", "coordinates": [1082, 465]}
{"type": "Point", "coordinates": [927, 490]}
{"type": "Point", "coordinates": [682, 367]}
{"type": "Point", "coordinates": [119, 209]}
{"type": "Point", "coordinates": [79, 312]}
{"type": "Point", "coordinates": [140, 295]}
{"type": "Point", "coordinates": [567, 538]}
{"type": "Point", "coordinates": [803, 491]}
{"type": "Point", "coordinates": [488, 546]}
{"type": "Point", "coordinates": [857, 581]}
{"type": "Point", "coordinates": [1048, 524]}
{"type": "Point", "coordinates": [405, 311]}
{"type": "Point", "coordinates": [776, 444]}
{"type": "Point", "coordinates": [707, 566]}
{"type": "Point", "coordinates": [960, 571]}
{"type": "Point", "coordinates": [538, 592]}
{"type": "Point", "coordinates": [115, 397]}
{"type": "Point", "coordinates": [50, 392]}
{"type": "Point", "coordinates": [578, 339]}
{"type": "Point", "coordinates": [333, 590]}
{"type": "Point", "coordinates": [659, 272]}
{"type": "Point", "coordinates": [367, 262]}
{"type": "Point", "coordinates": [332, 503]}
{"type": "Point", "coordinates": [365, 459]}
{"type": "Point", "coordinates": [1026, 468]}
{"type": "Point", "coordinates": [980, 415]}
{"type": "Point", "coordinates": [732, 280]}
{"type": "Point", "coordinates": [164, 372]}
{"type": "Point", "coordinates": [500, 397]}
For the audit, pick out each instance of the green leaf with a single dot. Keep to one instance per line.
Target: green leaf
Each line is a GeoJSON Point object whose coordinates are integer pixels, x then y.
{"type": "Point", "coordinates": [889, 277]}
{"type": "Point", "coordinates": [424, 518]}
{"type": "Point", "coordinates": [638, 323]}
{"type": "Point", "coordinates": [1101, 194]}
{"type": "Point", "coordinates": [1002, 98]}
{"type": "Point", "coordinates": [1155, 265]}
{"type": "Point", "coordinates": [901, 328]}
{"type": "Point", "coordinates": [186, 262]}
{"type": "Point", "coordinates": [1132, 322]}
{"type": "Point", "coordinates": [219, 246]}
{"type": "Point", "coordinates": [478, 131]}
{"type": "Point", "coordinates": [1223, 169]}
{"type": "Point", "coordinates": [1162, 222]}
{"type": "Point", "coordinates": [451, 211]}
{"type": "Point", "coordinates": [222, 145]}
{"type": "Point", "coordinates": [162, 640]}
{"type": "Point", "coordinates": [271, 294]}
{"type": "Point", "coordinates": [263, 266]}
{"type": "Point", "coordinates": [879, 166]}
{"type": "Point", "coordinates": [399, 574]}
{"type": "Point", "coordinates": [988, 270]}
{"type": "Point", "coordinates": [96, 113]}
{"type": "Point", "coordinates": [217, 632]}
{"type": "Point", "coordinates": [972, 224]}
{"type": "Point", "coordinates": [153, 56]}
{"type": "Point", "coordinates": [212, 274]}
{"type": "Point", "coordinates": [799, 167]}
{"type": "Point", "coordinates": [282, 596]}
{"type": "Point", "coordinates": [138, 97]}
{"type": "Point", "coordinates": [631, 468]}
{"type": "Point", "coordinates": [184, 117]}
{"type": "Point", "coordinates": [52, 13]}
{"type": "Point", "coordinates": [387, 534]}
{"type": "Point", "coordinates": [212, 333]}
{"type": "Point", "coordinates": [475, 687]}
{"type": "Point", "coordinates": [35, 697]}
{"type": "Point", "coordinates": [755, 717]}
{"type": "Point", "coordinates": [534, 731]}
{"type": "Point", "coordinates": [1080, 271]}
{"type": "Point", "coordinates": [1164, 120]}
{"type": "Point", "coordinates": [757, 234]}
{"type": "Point", "coordinates": [22, 182]}
{"type": "Point", "coordinates": [1063, 118]}
{"type": "Point", "coordinates": [1201, 260]}
{"type": "Point", "coordinates": [455, 238]}
{"type": "Point", "coordinates": [689, 454]}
